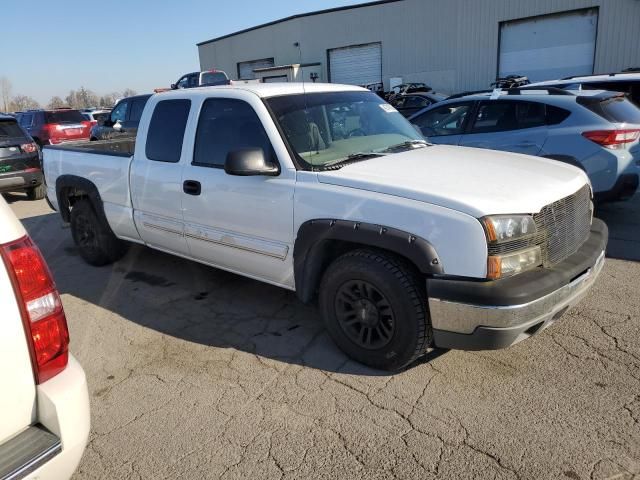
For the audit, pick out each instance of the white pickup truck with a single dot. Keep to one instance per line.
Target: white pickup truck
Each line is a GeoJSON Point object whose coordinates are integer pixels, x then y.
{"type": "Point", "coordinates": [327, 190]}
{"type": "Point", "coordinates": [44, 402]}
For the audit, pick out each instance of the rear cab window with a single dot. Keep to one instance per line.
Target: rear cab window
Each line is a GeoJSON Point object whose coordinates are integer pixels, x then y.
{"type": "Point", "coordinates": [166, 130]}
{"type": "Point", "coordinates": [137, 107]}
{"type": "Point", "coordinates": [63, 116]}
{"type": "Point", "coordinates": [213, 78]}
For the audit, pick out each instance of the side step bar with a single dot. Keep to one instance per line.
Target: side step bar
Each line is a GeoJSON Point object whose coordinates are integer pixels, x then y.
{"type": "Point", "coordinates": [27, 451]}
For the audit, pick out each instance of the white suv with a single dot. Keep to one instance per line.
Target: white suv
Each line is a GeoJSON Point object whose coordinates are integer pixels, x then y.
{"type": "Point", "coordinates": [627, 82]}
{"type": "Point", "coordinates": [44, 405]}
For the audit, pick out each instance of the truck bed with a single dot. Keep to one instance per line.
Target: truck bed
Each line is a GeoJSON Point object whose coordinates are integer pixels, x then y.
{"type": "Point", "coordinates": [119, 147]}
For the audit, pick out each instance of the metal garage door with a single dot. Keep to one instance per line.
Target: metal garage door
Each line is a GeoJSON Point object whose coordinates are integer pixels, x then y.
{"type": "Point", "coordinates": [245, 69]}
{"type": "Point", "coordinates": [356, 65]}
{"type": "Point", "coordinates": [549, 47]}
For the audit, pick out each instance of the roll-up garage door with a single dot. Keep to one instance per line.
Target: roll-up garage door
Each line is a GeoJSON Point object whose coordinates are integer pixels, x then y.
{"type": "Point", "coordinates": [245, 69]}
{"type": "Point", "coordinates": [356, 65]}
{"type": "Point", "coordinates": [550, 46]}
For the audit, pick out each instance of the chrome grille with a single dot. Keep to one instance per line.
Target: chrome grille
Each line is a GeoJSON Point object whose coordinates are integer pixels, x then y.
{"type": "Point", "coordinates": [564, 225]}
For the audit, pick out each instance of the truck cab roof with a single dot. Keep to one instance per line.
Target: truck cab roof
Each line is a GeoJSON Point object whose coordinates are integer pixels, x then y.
{"type": "Point", "coordinates": [266, 90]}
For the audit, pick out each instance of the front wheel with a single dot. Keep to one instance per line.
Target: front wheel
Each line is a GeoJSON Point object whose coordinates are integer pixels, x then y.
{"type": "Point", "coordinates": [374, 308]}
{"type": "Point", "coordinates": [96, 242]}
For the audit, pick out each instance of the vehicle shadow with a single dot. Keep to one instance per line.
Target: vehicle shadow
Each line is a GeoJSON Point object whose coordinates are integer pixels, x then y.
{"type": "Point", "coordinates": [623, 220]}
{"type": "Point", "coordinates": [14, 197]}
{"type": "Point", "coordinates": [194, 302]}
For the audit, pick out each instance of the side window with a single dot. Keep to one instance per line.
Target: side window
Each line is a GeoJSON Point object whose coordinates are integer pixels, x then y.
{"type": "Point", "coordinates": [166, 130]}
{"type": "Point", "coordinates": [556, 115]}
{"type": "Point", "coordinates": [137, 106]}
{"type": "Point", "coordinates": [183, 82]}
{"type": "Point", "coordinates": [119, 114]}
{"type": "Point", "coordinates": [26, 120]}
{"type": "Point", "coordinates": [444, 120]}
{"type": "Point", "coordinates": [495, 116]}
{"type": "Point", "coordinates": [416, 102]}
{"type": "Point", "coordinates": [530, 115]}
{"type": "Point", "coordinates": [194, 80]}
{"type": "Point", "coordinates": [226, 125]}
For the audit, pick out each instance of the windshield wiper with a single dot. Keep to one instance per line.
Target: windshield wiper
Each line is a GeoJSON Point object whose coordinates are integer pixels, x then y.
{"type": "Point", "coordinates": [406, 145]}
{"type": "Point", "coordinates": [353, 157]}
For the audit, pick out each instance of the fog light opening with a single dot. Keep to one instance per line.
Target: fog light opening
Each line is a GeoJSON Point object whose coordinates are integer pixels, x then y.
{"type": "Point", "coordinates": [532, 330]}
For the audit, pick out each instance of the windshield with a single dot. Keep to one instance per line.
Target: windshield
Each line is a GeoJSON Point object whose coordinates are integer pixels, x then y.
{"type": "Point", "coordinates": [326, 128]}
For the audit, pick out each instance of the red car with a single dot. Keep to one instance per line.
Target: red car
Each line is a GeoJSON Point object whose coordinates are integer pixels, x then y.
{"type": "Point", "coordinates": [52, 127]}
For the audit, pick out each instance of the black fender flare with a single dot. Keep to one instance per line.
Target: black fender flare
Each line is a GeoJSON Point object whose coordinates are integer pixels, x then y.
{"type": "Point", "coordinates": [77, 186]}
{"type": "Point", "coordinates": [314, 236]}
{"type": "Point", "coordinates": [566, 159]}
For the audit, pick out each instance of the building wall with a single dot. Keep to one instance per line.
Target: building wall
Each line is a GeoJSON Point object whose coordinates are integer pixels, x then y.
{"type": "Point", "coordinates": [450, 44]}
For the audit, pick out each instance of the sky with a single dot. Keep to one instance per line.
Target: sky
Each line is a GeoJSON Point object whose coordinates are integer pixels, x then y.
{"type": "Point", "coordinates": [51, 47]}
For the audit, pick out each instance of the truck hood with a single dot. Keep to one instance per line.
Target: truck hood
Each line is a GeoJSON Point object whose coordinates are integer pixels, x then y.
{"type": "Point", "coordinates": [471, 180]}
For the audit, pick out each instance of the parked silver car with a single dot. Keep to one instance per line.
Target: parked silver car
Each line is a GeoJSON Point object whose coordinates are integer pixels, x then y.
{"type": "Point", "coordinates": [594, 130]}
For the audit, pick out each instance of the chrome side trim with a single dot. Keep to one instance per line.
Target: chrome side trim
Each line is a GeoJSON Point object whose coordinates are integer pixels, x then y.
{"type": "Point", "coordinates": [164, 229]}
{"type": "Point", "coordinates": [246, 248]}
{"type": "Point", "coordinates": [465, 318]}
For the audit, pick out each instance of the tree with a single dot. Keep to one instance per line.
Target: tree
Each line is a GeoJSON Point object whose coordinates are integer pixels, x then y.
{"type": "Point", "coordinates": [5, 93]}
{"type": "Point", "coordinates": [23, 102]}
{"type": "Point", "coordinates": [56, 102]}
{"type": "Point", "coordinates": [127, 92]}
{"type": "Point", "coordinates": [82, 98]}
{"type": "Point", "coordinates": [108, 100]}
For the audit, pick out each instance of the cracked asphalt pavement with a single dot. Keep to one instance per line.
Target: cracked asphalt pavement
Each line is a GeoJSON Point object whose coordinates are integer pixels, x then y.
{"type": "Point", "coordinates": [197, 373]}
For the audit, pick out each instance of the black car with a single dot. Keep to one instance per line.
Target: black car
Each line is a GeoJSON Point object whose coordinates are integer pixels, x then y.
{"type": "Point", "coordinates": [20, 165]}
{"type": "Point", "coordinates": [207, 78]}
{"type": "Point", "coordinates": [123, 120]}
{"type": "Point", "coordinates": [410, 103]}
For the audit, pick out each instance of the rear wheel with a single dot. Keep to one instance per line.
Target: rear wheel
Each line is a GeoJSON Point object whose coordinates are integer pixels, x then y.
{"type": "Point", "coordinates": [96, 242]}
{"type": "Point", "coordinates": [37, 193]}
{"type": "Point", "coordinates": [374, 308]}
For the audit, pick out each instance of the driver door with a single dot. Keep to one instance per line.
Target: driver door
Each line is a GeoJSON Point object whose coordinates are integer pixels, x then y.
{"type": "Point", "coordinates": [445, 124]}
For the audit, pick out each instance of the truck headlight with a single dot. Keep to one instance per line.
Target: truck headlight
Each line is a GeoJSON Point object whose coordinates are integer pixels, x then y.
{"type": "Point", "coordinates": [503, 228]}
{"type": "Point", "coordinates": [512, 245]}
{"type": "Point", "coordinates": [500, 266]}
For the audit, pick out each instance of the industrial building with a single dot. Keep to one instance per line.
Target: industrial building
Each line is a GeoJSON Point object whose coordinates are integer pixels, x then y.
{"type": "Point", "coordinates": [452, 45]}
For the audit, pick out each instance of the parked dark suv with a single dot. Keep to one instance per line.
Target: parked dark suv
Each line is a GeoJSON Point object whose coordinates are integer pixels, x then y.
{"type": "Point", "coordinates": [123, 120]}
{"type": "Point", "coordinates": [20, 166]}
{"type": "Point", "coordinates": [53, 127]}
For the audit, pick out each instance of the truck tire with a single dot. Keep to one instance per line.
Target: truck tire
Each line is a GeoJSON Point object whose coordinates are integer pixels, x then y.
{"type": "Point", "coordinates": [37, 193]}
{"type": "Point", "coordinates": [374, 308]}
{"type": "Point", "coordinates": [96, 242]}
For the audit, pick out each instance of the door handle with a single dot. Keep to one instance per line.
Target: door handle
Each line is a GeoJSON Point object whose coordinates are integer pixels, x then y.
{"type": "Point", "coordinates": [191, 187]}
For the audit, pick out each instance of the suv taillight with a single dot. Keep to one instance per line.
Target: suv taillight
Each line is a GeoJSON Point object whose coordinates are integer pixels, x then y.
{"type": "Point", "coordinates": [43, 316]}
{"type": "Point", "coordinates": [612, 139]}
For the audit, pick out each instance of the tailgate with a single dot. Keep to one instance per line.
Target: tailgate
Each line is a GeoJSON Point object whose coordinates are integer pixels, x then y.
{"type": "Point", "coordinates": [17, 385]}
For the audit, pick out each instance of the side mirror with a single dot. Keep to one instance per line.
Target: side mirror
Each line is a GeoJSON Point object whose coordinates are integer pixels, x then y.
{"type": "Point", "coordinates": [174, 86]}
{"type": "Point", "coordinates": [249, 162]}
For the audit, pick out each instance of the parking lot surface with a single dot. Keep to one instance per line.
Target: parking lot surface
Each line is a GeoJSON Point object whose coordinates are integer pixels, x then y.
{"type": "Point", "coordinates": [198, 373]}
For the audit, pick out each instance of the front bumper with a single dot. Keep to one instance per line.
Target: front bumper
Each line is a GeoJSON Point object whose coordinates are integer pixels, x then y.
{"type": "Point", "coordinates": [21, 180]}
{"type": "Point", "coordinates": [471, 315]}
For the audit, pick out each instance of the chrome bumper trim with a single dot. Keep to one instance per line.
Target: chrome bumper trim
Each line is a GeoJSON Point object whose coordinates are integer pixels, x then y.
{"type": "Point", "coordinates": [465, 318]}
